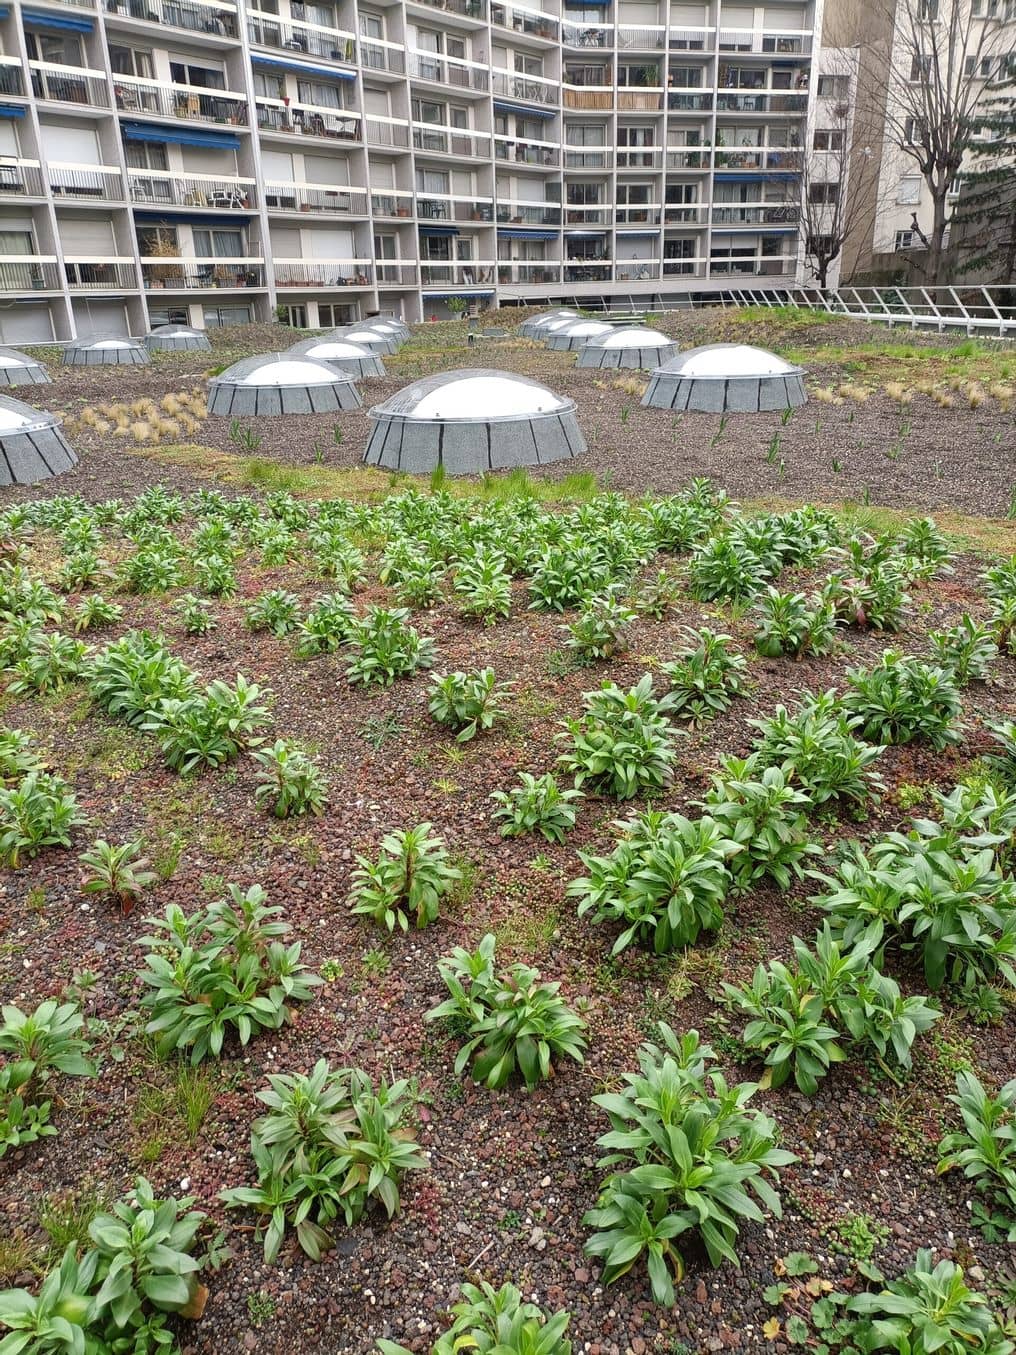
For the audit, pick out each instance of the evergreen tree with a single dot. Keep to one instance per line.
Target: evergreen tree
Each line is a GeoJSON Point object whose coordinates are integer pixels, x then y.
{"type": "Point", "coordinates": [985, 219]}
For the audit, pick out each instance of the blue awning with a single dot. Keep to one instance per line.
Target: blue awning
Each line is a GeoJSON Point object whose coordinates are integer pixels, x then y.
{"type": "Point", "coordinates": [325, 72]}
{"type": "Point", "coordinates": [5, 11]}
{"type": "Point", "coordinates": [40, 18]}
{"type": "Point", "coordinates": [584, 4]}
{"type": "Point", "coordinates": [514, 233]}
{"type": "Point", "coordinates": [180, 136]}
{"type": "Point", "coordinates": [739, 178]}
{"type": "Point", "coordinates": [527, 109]}
{"type": "Point", "coordinates": [433, 231]}
{"type": "Point", "coordinates": [11, 111]}
{"type": "Point", "coordinates": [194, 217]}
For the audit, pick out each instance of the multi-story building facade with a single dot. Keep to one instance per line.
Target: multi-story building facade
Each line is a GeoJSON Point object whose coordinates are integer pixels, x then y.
{"type": "Point", "coordinates": [214, 162]}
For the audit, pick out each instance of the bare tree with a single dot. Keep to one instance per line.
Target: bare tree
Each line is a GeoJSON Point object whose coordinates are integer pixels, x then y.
{"type": "Point", "coordinates": [840, 173]}
{"type": "Point", "coordinates": [941, 55]}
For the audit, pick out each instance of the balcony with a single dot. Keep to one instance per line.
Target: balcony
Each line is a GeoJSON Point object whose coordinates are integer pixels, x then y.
{"type": "Point", "coordinates": [530, 89]}
{"type": "Point", "coordinates": [774, 265]}
{"type": "Point", "coordinates": [445, 208]}
{"type": "Point", "coordinates": [529, 274]}
{"type": "Point", "coordinates": [446, 70]}
{"type": "Point", "coordinates": [589, 157]}
{"type": "Point", "coordinates": [323, 273]}
{"type": "Point", "coordinates": [85, 183]}
{"type": "Point", "coordinates": [750, 102]}
{"type": "Point", "coordinates": [525, 22]}
{"type": "Point", "coordinates": [601, 98]}
{"type": "Point", "coordinates": [100, 275]}
{"type": "Point", "coordinates": [642, 215]}
{"type": "Point", "coordinates": [29, 273]}
{"type": "Point", "coordinates": [588, 216]}
{"type": "Point", "coordinates": [382, 56]}
{"type": "Point", "coordinates": [315, 199]}
{"type": "Point", "coordinates": [392, 203]}
{"type": "Point", "coordinates": [10, 77]}
{"type": "Point", "coordinates": [78, 4]}
{"type": "Point", "coordinates": [587, 35]}
{"type": "Point", "coordinates": [192, 16]}
{"type": "Point", "coordinates": [587, 270]}
{"type": "Point", "coordinates": [679, 101]}
{"type": "Point", "coordinates": [688, 157]}
{"type": "Point", "coordinates": [266, 30]}
{"type": "Point", "coordinates": [640, 39]}
{"type": "Point", "coordinates": [637, 270]}
{"type": "Point", "coordinates": [684, 268]}
{"type": "Point", "coordinates": [639, 100]}
{"type": "Point", "coordinates": [645, 157]}
{"type": "Point", "coordinates": [757, 214]}
{"type": "Point", "coordinates": [386, 133]}
{"type": "Point", "coordinates": [685, 214]}
{"type": "Point", "coordinates": [441, 274]}
{"type": "Point", "coordinates": [465, 9]}
{"type": "Point", "coordinates": [450, 141]}
{"type": "Point", "coordinates": [397, 274]}
{"type": "Point", "coordinates": [691, 39]}
{"type": "Point", "coordinates": [759, 158]}
{"type": "Point", "coordinates": [528, 214]}
{"type": "Point", "coordinates": [21, 179]}
{"type": "Point", "coordinates": [195, 275]}
{"type": "Point", "coordinates": [68, 84]}
{"type": "Point", "coordinates": [189, 102]}
{"type": "Point", "coordinates": [307, 121]}
{"type": "Point", "coordinates": [765, 44]}
{"type": "Point", "coordinates": [163, 188]}
{"type": "Point", "coordinates": [541, 154]}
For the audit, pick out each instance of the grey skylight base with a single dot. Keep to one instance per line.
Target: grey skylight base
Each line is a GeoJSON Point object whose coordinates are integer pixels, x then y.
{"type": "Point", "coordinates": [645, 359]}
{"type": "Point", "coordinates": [563, 342]}
{"type": "Point", "coordinates": [27, 458]}
{"type": "Point", "coordinates": [131, 355]}
{"type": "Point", "coordinates": [718, 395]}
{"type": "Point", "coordinates": [18, 369]}
{"type": "Point", "coordinates": [532, 329]}
{"type": "Point", "coordinates": [235, 401]}
{"type": "Point", "coordinates": [178, 341]}
{"type": "Point", "coordinates": [378, 344]}
{"type": "Point", "coordinates": [474, 446]}
{"type": "Point", "coordinates": [367, 365]}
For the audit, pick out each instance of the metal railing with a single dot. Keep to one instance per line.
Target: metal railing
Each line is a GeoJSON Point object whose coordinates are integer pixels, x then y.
{"type": "Point", "coordinates": [588, 216]}
{"type": "Point", "coordinates": [643, 157]}
{"type": "Point", "coordinates": [10, 76]}
{"type": "Point", "coordinates": [305, 120]}
{"type": "Point", "coordinates": [468, 9]}
{"type": "Point", "coordinates": [528, 274]}
{"type": "Point", "coordinates": [323, 272]}
{"type": "Point", "coordinates": [396, 274]}
{"type": "Point", "coordinates": [759, 158]}
{"type": "Point", "coordinates": [100, 275]}
{"type": "Point", "coordinates": [21, 179]}
{"type": "Point", "coordinates": [450, 141]}
{"type": "Point", "coordinates": [185, 275]}
{"type": "Point", "coordinates": [457, 274]}
{"type": "Point", "coordinates": [689, 157]}
{"type": "Point", "coordinates": [756, 214]}
{"type": "Point", "coordinates": [975, 310]}
{"type": "Point", "coordinates": [532, 89]}
{"type": "Point", "coordinates": [748, 101]}
{"type": "Point", "coordinates": [326, 199]}
{"type": "Point", "coordinates": [446, 70]}
{"type": "Point", "coordinates": [680, 102]}
{"type": "Point", "coordinates": [216, 19]}
{"type": "Point", "coordinates": [685, 213]}
{"type": "Point", "coordinates": [759, 42]}
{"type": "Point", "coordinates": [391, 203]}
{"type": "Point", "coordinates": [587, 270]}
{"type": "Point", "coordinates": [647, 214]}
{"type": "Point", "coordinates": [376, 55]}
{"type": "Point", "coordinates": [587, 35]}
{"type": "Point", "coordinates": [528, 214]}
{"type": "Point", "coordinates": [386, 132]}
{"type": "Point", "coordinates": [190, 102]}
{"type": "Point", "coordinates": [85, 183]}
{"type": "Point", "coordinates": [640, 39]}
{"type": "Point", "coordinates": [446, 208]}
{"type": "Point", "coordinates": [29, 273]}
{"type": "Point", "coordinates": [68, 84]}
{"type": "Point", "coordinates": [772, 265]}
{"type": "Point", "coordinates": [525, 21]}
{"type": "Point", "coordinates": [158, 186]}
{"type": "Point", "coordinates": [588, 157]}
{"type": "Point", "coordinates": [637, 270]}
{"type": "Point", "coordinates": [525, 152]}
{"type": "Point", "coordinates": [265, 30]}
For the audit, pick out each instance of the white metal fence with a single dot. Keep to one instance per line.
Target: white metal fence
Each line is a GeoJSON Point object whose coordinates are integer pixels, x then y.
{"type": "Point", "coordinates": [990, 311]}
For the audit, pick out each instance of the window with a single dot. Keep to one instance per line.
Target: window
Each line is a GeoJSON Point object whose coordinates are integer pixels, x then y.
{"type": "Point", "coordinates": [986, 64]}
{"type": "Point", "coordinates": [833, 86]}
{"type": "Point", "coordinates": [586, 134]}
{"type": "Point", "coordinates": [167, 315]}
{"type": "Point", "coordinates": [920, 67]}
{"type": "Point", "coordinates": [928, 10]}
{"type": "Point", "coordinates": [904, 240]}
{"type": "Point", "coordinates": [583, 194]}
{"type": "Point", "coordinates": [318, 94]}
{"type": "Point", "coordinates": [828, 139]}
{"type": "Point", "coordinates": [269, 86]}
{"type": "Point", "coordinates": [372, 26]}
{"type": "Point", "coordinates": [820, 246]}
{"type": "Point", "coordinates": [216, 316]}
{"type": "Point", "coordinates": [827, 193]}
{"type": "Point", "coordinates": [218, 244]}
{"type": "Point", "coordinates": [681, 192]}
{"type": "Point", "coordinates": [636, 136]}
{"type": "Point", "coordinates": [969, 65]}
{"type": "Point", "coordinates": [158, 242]}
{"type": "Point", "coordinates": [60, 51]}
{"type": "Point", "coordinates": [331, 315]}
{"type": "Point", "coordinates": [432, 181]}
{"type": "Point", "coordinates": [685, 77]}
{"type": "Point", "coordinates": [129, 61]}
{"type": "Point", "coordinates": [634, 194]}
{"type": "Point", "coordinates": [909, 190]}
{"type": "Point", "coordinates": [912, 132]}
{"type": "Point", "coordinates": [637, 76]}
{"type": "Point", "coordinates": [145, 155]}
{"type": "Point", "coordinates": [424, 110]}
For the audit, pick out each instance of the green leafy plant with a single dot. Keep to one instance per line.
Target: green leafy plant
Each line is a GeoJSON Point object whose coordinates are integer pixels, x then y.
{"type": "Point", "coordinates": [764, 814]}
{"type": "Point", "coordinates": [17, 756]}
{"type": "Point", "coordinates": [686, 1155]}
{"type": "Point", "coordinates": [726, 569]}
{"type": "Point", "coordinates": [94, 611]}
{"type": "Point", "coordinates": [967, 650]}
{"type": "Point", "coordinates": [386, 648]}
{"type": "Point", "coordinates": [705, 677]}
{"type": "Point", "coordinates": [276, 611]}
{"type": "Point", "coordinates": [902, 699]}
{"type": "Point", "coordinates": [117, 873]}
{"type": "Point", "coordinates": [985, 1151]}
{"type": "Point", "coordinates": [483, 586]}
{"type": "Point", "coordinates": [496, 1322]}
{"type": "Point", "coordinates": [788, 624]}
{"type": "Point", "coordinates": [210, 729]}
{"type": "Point", "coordinates": [36, 1045]}
{"type": "Point", "coordinates": [817, 742]}
{"type": "Point", "coordinates": [622, 744]}
{"type": "Point", "coordinates": [602, 628]}
{"type": "Point", "coordinates": [658, 595]}
{"type": "Point", "coordinates": [537, 805]}
{"type": "Point", "coordinates": [38, 812]}
{"type": "Point", "coordinates": [510, 1020]}
{"type": "Point", "coordinates": [54, 1321]}
{"type": "Point", "coordinates": [289, 781]}
{"type": "Point", "coordinates": [329, 623]}
{"type": "Point", "coordinates": [329, 1145]}
{"type": "Point", "coordinates": [195, 615]}
{"type": "Point", "coordinates": [128, 677]}
{"type": "Point", "coordinates": [50, 663]}
{"type": "Point", "coordinates": [410, 877]}
{"type": "Point", "coordinates": [467, 702]}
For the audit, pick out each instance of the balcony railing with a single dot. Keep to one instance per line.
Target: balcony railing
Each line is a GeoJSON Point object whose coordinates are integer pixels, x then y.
{"type": "Point", "coordinates": [761, 43]}
{"type": "Point", "coordinates": [446, 208]}
{"type": "Point", "coordinates": [639, 100]}
{"type": "Point", "coordinates": [774, 265]}
{"type": "Point", "coordinates": [100, 275]}
{"type": "Point", "coordinates": [86, 183]}
{"type": "Point", "coordinates": [691, 39]}
{"type": "Point", "coordinates": [386, 132]}
{"type": "Point", "coordinates": [528, 274]}
{"type": "Point", "coordinates": [688, 157]}
{"type": "Point", "coordinates": [587, 35]}
{"type": "Point", "coordinates": [685, 213]}
{"type": "Point", "coordinates": [10, 76]}
{"type": "Point", "coordinates": [526, 152]}
{"type": "Point", "coordinates": [467, 9]}
{"type": "Point", "coordinates": [266, 30]}
{"type": "Point", "coordinates": [160, 186]}
{"type": "Point", "coordinates": [759, 158]}
{"type": "Point", "coordinates": [68, 84]}
{"type": "Point", "coordinates": [644, 157]}
{"type": "Point", "coordinates": [642, 215]}
{"type": "Point", "coordinates": [397, 274]}
{"type": "Point", "coordinates": [590, 99]}
{"type": "Point", "coordinates": [673, 268]}
{"type": "Point", "coordinates": [588, 216]}
{"type": "Point", "coordinates": [531, 89]}
{"type": "Point", "coordinates": [29, 273]}
{"type": "Point", "coordinates": [751, 102]}
{"type": "Point", "coordinates": [528, 214]}
{"type": "Point", "coordinates": [79, 4]}
{"type": "Point", "coordinates": [391, 203]}
{"type": "Point", "coordinates": [305, 120]}
{"type": "Point", "coordinates": [189, 102]}
{"type": "Point", "coordinates": [382, 56]}
{"type": "Point", "coordinates": [446, 70]}
{"type": "Point", "coordinates": [323, 272]}
{"type": "Point", "coordinates": [315, 198]}
{"type": "Point", "coordinates": [680, 101]}
{"type": "Point", "coordinates": [195, 17]}
{"type": "Point", "coordinates": [450, 141]}
{"type": "Point", "coordinates": [186, 275]}
{"type": "Point", "coordinates": [21, 179]}
{"type": "Point", "coordinates": [637, 270]}
{"type": "Point", "coordinates": [457, 274]}
{"type": "Point", "coordinates": [761, 214]}
{"type": "Point", "coordinates": [640, 39]}
{"type": "Point", "coordinates": [588, 157]}
{"type": "Point", "coordinates": [525, 21]}
{"type": "Point", "coordinates": [587, 270]}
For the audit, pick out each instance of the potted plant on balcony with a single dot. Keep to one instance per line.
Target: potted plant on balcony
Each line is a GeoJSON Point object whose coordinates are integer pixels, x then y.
{"type": "Point", "coordinates": [162, 274]}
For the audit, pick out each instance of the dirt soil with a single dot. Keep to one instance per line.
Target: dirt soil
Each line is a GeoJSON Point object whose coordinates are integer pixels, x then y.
{"type": "Point", "coordinates": [510, 1173]}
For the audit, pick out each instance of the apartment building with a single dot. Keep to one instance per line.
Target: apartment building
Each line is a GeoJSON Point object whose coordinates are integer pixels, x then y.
{"type": "Point", "coordinates": [214, 162]}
